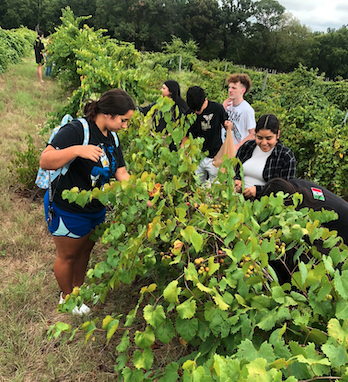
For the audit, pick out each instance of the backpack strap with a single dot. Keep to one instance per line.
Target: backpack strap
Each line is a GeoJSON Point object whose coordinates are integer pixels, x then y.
{"type": "Point", "coordinates": [115, 138]}
{"type": "Point", "coordinates": [66, 119]}
{"type": "Point", "coordinates": [85, 142]}
{"type": "Point", "coordinates": [85, 131]}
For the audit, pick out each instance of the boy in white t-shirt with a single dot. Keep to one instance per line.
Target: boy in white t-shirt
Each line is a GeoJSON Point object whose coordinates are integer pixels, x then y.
{"type": "Point", "coordinates": [239, 111]}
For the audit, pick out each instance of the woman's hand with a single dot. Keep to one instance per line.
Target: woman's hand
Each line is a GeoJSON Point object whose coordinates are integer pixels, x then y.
{"type": "Point", "coordinates": [52, 159]}
{"type": "Point", "coordinates": [250, 192]}
{"type": "Point", "coordinates": [238, 185]}
{"type": "Point", "coordinates": [121, 174]}
{"type": "Point", "coordinates": [90, 152]}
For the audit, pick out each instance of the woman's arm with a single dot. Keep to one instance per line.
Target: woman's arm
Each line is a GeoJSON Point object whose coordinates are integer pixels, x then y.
{"type": "Point", "coordinates": [52, 159]}
{"type": "Point", "coordinates": [121, 173]}
{"type": "Point", "coordinates": [145, 109]}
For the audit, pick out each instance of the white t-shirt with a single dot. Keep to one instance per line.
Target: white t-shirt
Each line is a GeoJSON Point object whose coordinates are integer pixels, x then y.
{"type": "Point", "coordinates": [253, 168]}
{"type": "Point", "coordinates": [243, 119]}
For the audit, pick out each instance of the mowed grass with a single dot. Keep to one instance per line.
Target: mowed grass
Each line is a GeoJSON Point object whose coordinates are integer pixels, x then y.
{"type": "Point", "coordinates": [28, 290]}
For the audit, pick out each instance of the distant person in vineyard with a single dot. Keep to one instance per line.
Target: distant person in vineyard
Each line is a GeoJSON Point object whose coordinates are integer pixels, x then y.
{"type": "Point", "coordinates": [211, 118]}
{"type": "Point", "coordinates": [70, 224]}
{"type": "Point", "coordinates": [264, 158]}
{"type": "Point", "coordinates": [39, 49]}
{"type": "Point", "coordinates": [48, 68]}
{"type": "Point", "coordinates": [239, 111]}
{"type": "Point", "coordinates": [170, 89]}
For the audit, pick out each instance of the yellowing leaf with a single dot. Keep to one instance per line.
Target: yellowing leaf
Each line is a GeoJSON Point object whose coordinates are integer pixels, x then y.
{"type": "Point", "coordinates": [191, 273]}
{"type": "Point", "coordinates": [213, 267]}
{"type": "Point", "coordinates": [106, 322]}
{"type": "Point", "coordinates": [155, 190]}
{"type": "Point", "coordinates": [190, 234]}
{"type": "Point", "coordinates": [149, 288]}
{"type": "Point", "coordinates": [177, 247]}
{"type": "Point", "coordinates": [187, 309]}
{"type": "Point", "coordinates": [144, 176]}
{"type": "Point", "coordinates": [112, 327]}
{"type": "Point", "coordinates": [203, 288]}
{"type": "Point", "coordinates": [152, 287]}
{"type": "Point", "coordinates": [336, 331]}
{"type": "Point", "coordinates": [153, 229]}
{"type": "Point", "coordinates": [183, 342]}
{"type": "Point", "coordinates": [220, 302]}
{"type": "Point", "coordinates": [189, 365]}
{"type": "Point", "coordinates": [171, 292]}
{"type": "Point", "coordinates": [203, 208]}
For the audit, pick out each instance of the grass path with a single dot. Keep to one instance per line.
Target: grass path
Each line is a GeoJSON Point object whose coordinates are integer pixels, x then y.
{"type": "Point", "coordinates": [28, 290]}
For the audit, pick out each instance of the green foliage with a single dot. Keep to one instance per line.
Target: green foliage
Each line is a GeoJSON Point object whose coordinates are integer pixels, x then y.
{"type": "Point", "coordinates": [25, 165]}
{"type": "Point", "coordinates": [91, 63]}
{"type": "Point", "coordinates": [256, 33]}
{"type": "Point", "coordinates": [205, 256]}
{"type": "Point", "coordinates": [170, 58]}
{"type": "Point", "coordinates": [311, 110]}
{"type": "Point", "coordinates": [14, 45]}
{"type": "Point", "coordinates": [64, 43]}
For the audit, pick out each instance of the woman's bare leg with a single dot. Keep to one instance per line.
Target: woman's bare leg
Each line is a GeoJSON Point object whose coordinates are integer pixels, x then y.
{"type": "Point", "coordinates": [71, 261]}
{"type": "Point", "coordinates": [39, 73]}
{"type": "Point", "coordinates": [81, 264]}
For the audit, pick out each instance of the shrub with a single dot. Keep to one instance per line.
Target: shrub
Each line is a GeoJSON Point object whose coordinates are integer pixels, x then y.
{"type": "Point", "coordinates": [203, 259]}
{"type": "Point", "coordinates": [25, 165]}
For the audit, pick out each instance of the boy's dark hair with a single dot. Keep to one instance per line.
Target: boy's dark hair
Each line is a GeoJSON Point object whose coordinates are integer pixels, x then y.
{"type": "Point", "coordinates": [242, 78]}
{"type": "Point", "coordinates": [195, 98]}
{"type": "Point", "coordinates": [40, 33]}
{"type": "Point", "coordinates": [113, 102]}
{"type": "Point", "coordinates": [268, 122]}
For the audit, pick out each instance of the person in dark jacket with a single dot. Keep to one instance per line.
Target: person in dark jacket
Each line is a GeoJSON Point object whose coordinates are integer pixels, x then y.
{"type": "Point", "coordinates": [314, 197]}
{"type": "Point", "coordinates": [39, 49]}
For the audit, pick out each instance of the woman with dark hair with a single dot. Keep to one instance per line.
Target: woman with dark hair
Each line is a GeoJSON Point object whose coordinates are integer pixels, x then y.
{"type": "Point", "coordinates": [169, 89]}
{"type": "Point", "coordinates": [70, 224]}
{"type": "Point", "coordinates": [316, 198]}
{"type": "Point", "coordinates": [264, 158]}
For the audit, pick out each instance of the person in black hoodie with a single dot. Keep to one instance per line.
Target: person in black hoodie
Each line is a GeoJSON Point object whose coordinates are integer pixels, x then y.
{"type": "Point", "coordinates": [314, 197]}
{"type": "Point", "coordinates": [39, 54]}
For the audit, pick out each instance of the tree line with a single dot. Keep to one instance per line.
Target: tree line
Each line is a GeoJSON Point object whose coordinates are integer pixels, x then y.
{"type": "Point", "coordinates": [254, 33]}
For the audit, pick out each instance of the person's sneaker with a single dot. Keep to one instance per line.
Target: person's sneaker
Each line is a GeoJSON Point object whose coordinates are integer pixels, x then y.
{"type": "Point", "coordinates": [77, 311]}
{"type": "Point", "coordinates": [61, 299]}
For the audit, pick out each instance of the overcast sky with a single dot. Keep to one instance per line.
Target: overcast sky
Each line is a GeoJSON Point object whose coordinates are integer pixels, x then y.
{"type": "Point", "coordinates": [318, 14]}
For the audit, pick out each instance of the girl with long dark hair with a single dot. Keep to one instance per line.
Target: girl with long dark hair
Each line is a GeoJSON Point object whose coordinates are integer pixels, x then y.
{"type": "Point", "coordinates": [264, 158]}
{"type": "Point", "coordinates": [91, 166]}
